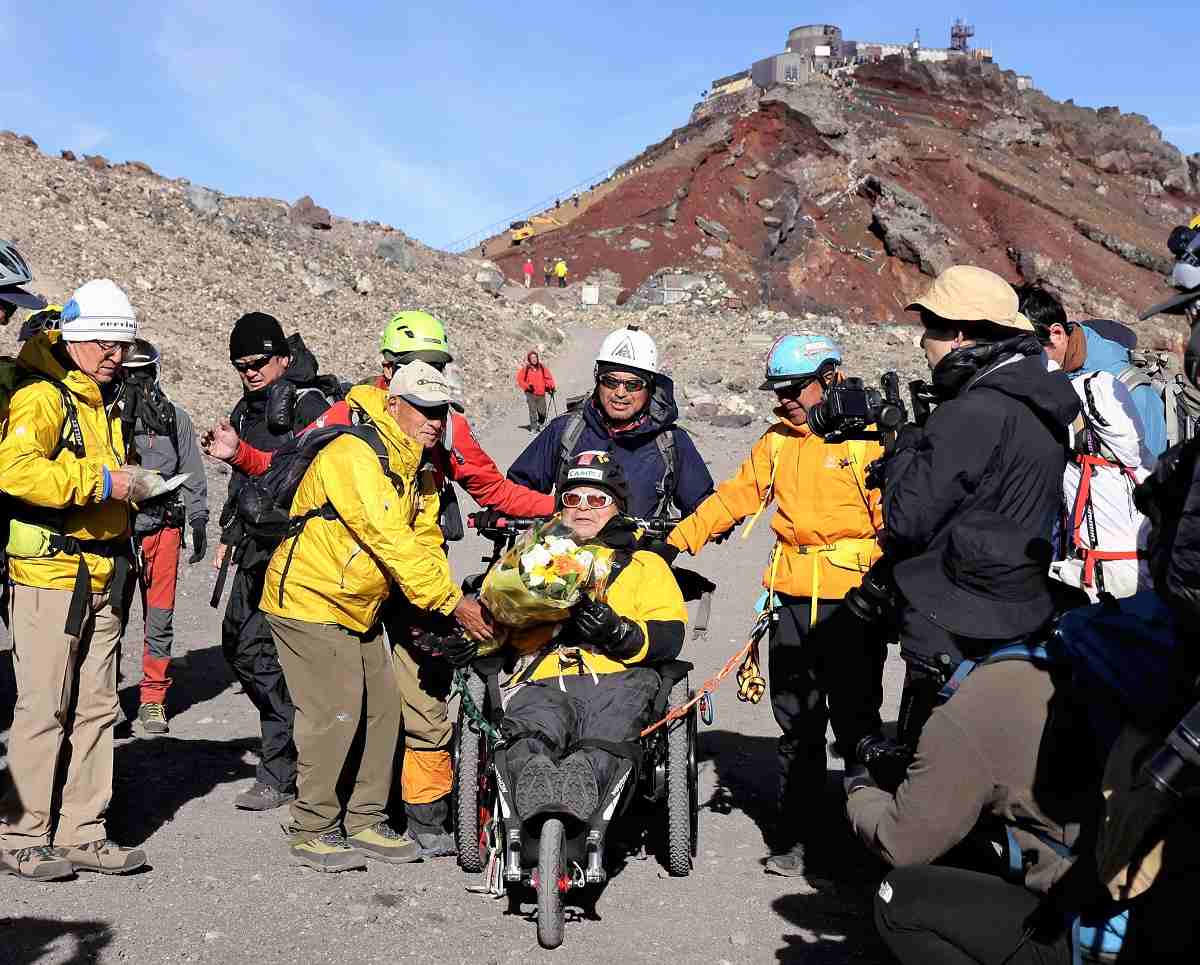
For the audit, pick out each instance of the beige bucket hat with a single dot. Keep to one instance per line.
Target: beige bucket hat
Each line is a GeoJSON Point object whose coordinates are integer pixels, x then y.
{"type": "Point", "coordinates": [965, 293]}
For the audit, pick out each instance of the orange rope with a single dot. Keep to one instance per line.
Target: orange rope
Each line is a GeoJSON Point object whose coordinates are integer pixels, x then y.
{"type": "Point", "coordinates": [712, 683]}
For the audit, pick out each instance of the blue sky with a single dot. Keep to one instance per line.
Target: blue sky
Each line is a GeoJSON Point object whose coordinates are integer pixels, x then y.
{"type": "Point", "coordinates": [440, 119]}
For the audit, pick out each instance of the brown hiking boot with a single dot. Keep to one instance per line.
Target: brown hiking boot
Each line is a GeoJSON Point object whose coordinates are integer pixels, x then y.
{"type": "Point", "coordinates": [262, 797]}
{"type": "Point", "coordinates": [327, 852]}
{"type": "Point", "coordinates": [384, 844]}
{"type": "Point", "coordinates": [40, 863]}
{"type": "Point", "coordinates": [105, 856]}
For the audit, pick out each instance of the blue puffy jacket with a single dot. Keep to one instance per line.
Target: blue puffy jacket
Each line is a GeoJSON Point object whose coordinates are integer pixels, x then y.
{"type": "Point", "coordinates": [636, 450]}
{"type": "Point", "coordinates": [1105, 355]}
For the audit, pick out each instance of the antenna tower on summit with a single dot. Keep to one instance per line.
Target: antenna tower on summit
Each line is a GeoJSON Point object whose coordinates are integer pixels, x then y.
{"type": "Point", "coordinates": [960, 34]}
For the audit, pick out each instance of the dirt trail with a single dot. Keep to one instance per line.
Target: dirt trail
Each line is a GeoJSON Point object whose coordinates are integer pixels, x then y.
{"type": "Point", "coordinates": [221, 889]}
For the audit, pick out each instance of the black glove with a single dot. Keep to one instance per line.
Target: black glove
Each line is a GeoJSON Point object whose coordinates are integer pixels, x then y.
{"type": "Point", "coordinates": [485, 519]}
{"type": "Point", "coordinates": [199, 541]}
{"type": "Point", "coordinates": [459, 649]}
{"type": "Point", "coordinates": [663, 549]}
{"type": "Point", "coordinates": [601, 626]}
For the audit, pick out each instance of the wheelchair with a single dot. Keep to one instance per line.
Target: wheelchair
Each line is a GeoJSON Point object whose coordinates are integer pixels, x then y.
{"type": "Point", "coordinates": [553, 855]}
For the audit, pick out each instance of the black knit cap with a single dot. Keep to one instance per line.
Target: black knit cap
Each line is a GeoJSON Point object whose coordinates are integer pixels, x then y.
{"type": "Point", "coordinates": [256, 333]}
{"type": "Point", "coordinates": [598, 469]}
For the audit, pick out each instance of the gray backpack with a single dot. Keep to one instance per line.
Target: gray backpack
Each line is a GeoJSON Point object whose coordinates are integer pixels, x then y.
{"type": "Point", "coordinates": [1181, 400]}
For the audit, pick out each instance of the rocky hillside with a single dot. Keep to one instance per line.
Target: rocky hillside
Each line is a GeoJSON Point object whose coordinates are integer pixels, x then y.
{"type": "Point", "coordinates": [193, 260]}
{"type": "Point", "coordinates": [842, 197]}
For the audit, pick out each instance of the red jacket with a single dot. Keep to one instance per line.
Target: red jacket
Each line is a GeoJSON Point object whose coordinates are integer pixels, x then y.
{"type": "Point", "coordinates": [535, 378]}
{"type": "Point", "coordinates": [527, 267]}
{"type": "Point", "coordinates": [466, 464]}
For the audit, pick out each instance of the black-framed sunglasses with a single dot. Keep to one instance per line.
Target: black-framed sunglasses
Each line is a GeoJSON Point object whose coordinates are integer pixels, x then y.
{"type": "Point", "coordinates": [252, 365]}
{"type": "Point", "coordinates": [631, 385]}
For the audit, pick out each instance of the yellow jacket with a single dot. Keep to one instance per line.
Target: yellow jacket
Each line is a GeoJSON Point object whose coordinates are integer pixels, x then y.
{"type": "Point", "coordinates": [645, 592]}
{"type": "Point", "coordinates": [560, 269]}
{"type": "Point", "coordinates": [343, 569]}
{"type": "Point", "coordinates": [37, 423]}
{"type": "Point", "coordinates": [825, 521]}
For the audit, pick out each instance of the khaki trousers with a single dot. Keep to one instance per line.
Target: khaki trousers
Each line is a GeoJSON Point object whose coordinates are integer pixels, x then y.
{"type": "Point", "coordinates": [339, 681]}
{"type": "Point", "coordinates": [60, 749]}
{"type": "Point", "coordinates": [428, 771]}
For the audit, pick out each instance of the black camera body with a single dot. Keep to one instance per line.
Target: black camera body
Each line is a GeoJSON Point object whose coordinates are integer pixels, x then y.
{"type": "Point", "coordinates": [851, 406]}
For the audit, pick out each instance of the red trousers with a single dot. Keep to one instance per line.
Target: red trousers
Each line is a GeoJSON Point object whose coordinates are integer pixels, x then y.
{"type": "Point", "coordinates": [160, 565]}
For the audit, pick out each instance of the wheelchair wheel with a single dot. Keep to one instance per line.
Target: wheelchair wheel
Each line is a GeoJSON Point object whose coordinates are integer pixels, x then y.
{"type": "Point", "coordinates": [550, 914]}
{"type": "Point", "coordinates": [681, 787]}
{"type": "Point", "coordinates": [469, 776]}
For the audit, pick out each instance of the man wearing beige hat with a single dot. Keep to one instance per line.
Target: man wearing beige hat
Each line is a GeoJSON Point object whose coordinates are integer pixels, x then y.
{"type": "Point", "coordinates": [996, 442]}
{"type": "Point", "coordinates": [364, 524]}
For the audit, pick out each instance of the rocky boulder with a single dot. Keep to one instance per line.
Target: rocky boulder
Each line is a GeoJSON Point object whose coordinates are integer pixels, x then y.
{"type": "Point", "coordinates": [308, 213]}
{"type": "Point", "coordinates": [907, 227]}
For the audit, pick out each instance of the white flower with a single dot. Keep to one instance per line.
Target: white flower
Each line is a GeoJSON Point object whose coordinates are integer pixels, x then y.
{"type": "Point", "coordinates": [536, 556]}
{"type": "Point", "coordinates": [535, 580]}
{"type": "Point", "coordinates": [584, 558]}
{"type": "Point", "coordinates": [560, 546]}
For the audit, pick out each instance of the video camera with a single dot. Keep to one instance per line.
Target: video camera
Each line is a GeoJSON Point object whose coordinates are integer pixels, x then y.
{"type": "Point", "coordinates": [850, 406]}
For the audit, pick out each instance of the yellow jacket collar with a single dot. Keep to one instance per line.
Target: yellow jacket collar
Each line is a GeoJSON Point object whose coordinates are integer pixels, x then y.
{"type": "Point", "coordinates": [38, 356]}
{"type": "Point", "coordinates": [404, 452]}
{"type": "Point", "coordinates": [800, 429]}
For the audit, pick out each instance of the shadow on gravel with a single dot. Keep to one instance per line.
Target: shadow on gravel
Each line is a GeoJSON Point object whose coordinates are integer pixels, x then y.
{"type": "Point", "coordinates": [29, 940]}
{"type": "Point", "coordinates": [198, 676]}
{"type": "Point", "coordinates": [745, 768]}
{"type": "Point", "coordinates": [155, 778]}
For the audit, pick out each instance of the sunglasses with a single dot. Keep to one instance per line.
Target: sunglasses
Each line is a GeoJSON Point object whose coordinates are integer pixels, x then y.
{"type": "Point", "coordinates": [253, 365]}
{"type": "Point", "coordinates": [631, 385]}
{"type": "Point", "coordinates": [573, 500]}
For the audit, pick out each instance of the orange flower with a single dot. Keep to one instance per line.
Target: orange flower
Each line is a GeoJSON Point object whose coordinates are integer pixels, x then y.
{"type": "Point", "coordinates": [566, 565]}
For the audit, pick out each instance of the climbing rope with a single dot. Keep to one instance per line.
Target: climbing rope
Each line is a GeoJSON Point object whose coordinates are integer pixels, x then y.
{"type": "Point", "coordinates": [470, 711]}
{"type": "Point", "coordinates": [742, 657]}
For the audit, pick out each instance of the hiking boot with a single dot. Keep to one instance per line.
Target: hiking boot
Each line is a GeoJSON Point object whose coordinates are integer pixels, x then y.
{"type": "Point", "coordinates": [437, 845]}
{"type": "Point", "coordinates": [580, 795]}
{"type": "Point", "coordinates": [538, 786]}
{"type": "Point", "coordinates": [40, 863]}
{"type": "Point", "coordinates": [105, 856]}
{"type": "Point", "coordinates": [262, 797]}
{"type": "Point", "coordinates": [385, 844]}
{"type": "Point", "coordinates": [153, 718]}
{"type": "Point", "coordinates": [327, 852]}
{"type": "Point", "coordinates": [789, 864]}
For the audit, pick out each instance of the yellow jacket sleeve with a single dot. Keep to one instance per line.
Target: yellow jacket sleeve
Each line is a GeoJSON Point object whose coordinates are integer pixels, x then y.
{"type": "Point", "coordinates": [734, 500]}
{"type": "Point", "coordinates": [646, 593]}
{"type": "Point", "coordinates": [368, 505]}
{"type": "Point", "coordinates": [27, 471]}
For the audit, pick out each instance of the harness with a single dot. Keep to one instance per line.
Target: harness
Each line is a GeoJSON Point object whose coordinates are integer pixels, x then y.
{"type": "Point", "coordinates": [1100, 940]}
{"type": "Point", "coordinates": [665, 440]}
{"type": "Point", "coordinates": [854, 554]}
{"type": "Point", "coordinates": [1093, 456]}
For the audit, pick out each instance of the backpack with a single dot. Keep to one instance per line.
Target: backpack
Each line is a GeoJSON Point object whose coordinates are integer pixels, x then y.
{"type": "Point", "coordinates": [665, 487]}
{"type": "Point", "coordinates": [1181, 400]}
{"type": "Point", "coordinates": [262, 516]}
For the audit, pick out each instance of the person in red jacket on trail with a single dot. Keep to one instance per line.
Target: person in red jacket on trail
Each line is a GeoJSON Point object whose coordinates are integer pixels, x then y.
{"type": "Point", "coordinates": [426, 777]}
{"type": "Point", "coordinates": [527, 269]}
{"type": "Point", "coordinates": [535, 380]}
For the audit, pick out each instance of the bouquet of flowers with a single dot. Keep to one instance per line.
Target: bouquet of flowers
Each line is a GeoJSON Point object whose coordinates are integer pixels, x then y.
{"type": "Point", "coordinates": [546, 572]}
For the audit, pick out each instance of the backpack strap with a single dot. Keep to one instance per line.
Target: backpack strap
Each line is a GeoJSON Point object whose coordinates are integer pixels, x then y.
{"type": "Point", "coordinates": [1134, 376]}
{"type": "Point", "coordinates": [666, 487]}
{"type": "Point", "coordinates": [1027, 651]}
{"type": "Point", "coordinates": [778, 440]}
{"type": "Point", "coordinates": [572, 431]}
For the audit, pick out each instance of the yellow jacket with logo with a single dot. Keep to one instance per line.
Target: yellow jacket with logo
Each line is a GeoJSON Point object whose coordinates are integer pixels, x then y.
{"type": "Point", "coordinates": [644, 592]}
{"type": "Point", "coordinates": [343, 569]}
{"type": "Point", "coordinates": [826, 519]}
{"type": "Point", "coordinates": [62, 489]}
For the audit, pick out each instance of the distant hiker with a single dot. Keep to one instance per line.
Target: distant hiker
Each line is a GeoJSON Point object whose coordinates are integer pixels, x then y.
{"type": "Point", "coordinates": [164, 442]}
{"type": "Point", "coordinates": [535, 380]}
{"type": "Point", "coordinates": [560, 272]}
{"type": "Point", "coordinates": [547, 270]}
{"type": "Point", "coordinates": [482, 250]}
{"type": "Point", "coordinates": [527, 271]}
{"type": "Point", "coordinates": [575, 199]}
{"type": "Point", "coordinates": [557, 202]}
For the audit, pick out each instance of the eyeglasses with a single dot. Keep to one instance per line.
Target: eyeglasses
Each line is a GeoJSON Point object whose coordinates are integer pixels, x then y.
{"type": "Point", "coordinates": [631, 385]}
{"type": "Point", "coordinates": [253, 365]}
{"type": "Point", "coordinates": [573, 500]}
{"type": "Point", "coordinates": [113, 349]}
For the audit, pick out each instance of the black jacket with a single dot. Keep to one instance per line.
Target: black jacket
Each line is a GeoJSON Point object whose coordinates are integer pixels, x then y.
{"type": "Point", "coordinates": [1000, 445]}
{"type": "Point", "coordinates": [1170, 499]}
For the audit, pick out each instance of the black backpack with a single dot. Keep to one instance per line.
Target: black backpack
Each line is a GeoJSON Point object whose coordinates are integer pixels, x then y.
{"type": "Point", "coordinates": [261, 517]}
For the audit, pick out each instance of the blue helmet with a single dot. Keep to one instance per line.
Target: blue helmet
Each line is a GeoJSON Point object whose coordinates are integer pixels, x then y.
{"type": "Point", "coordinates": [799, 357]}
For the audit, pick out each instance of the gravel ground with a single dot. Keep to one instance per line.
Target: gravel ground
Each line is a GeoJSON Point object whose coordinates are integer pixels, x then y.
{"type": "Point", "coordinates": [220, 888]}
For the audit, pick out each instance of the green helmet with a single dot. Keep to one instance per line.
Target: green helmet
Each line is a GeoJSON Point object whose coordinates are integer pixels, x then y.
{"type": "Point", "coordinates": [415, 334]}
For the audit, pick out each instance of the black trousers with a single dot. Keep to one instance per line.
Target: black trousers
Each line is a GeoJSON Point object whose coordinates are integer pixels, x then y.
{"type": "Point", "coordinates": [832, 671]}
{"type": "Point", "coordinates": [249, 649]}
{"type": "Point", "coordinates": [613, 707]}
{"type": "Point", "coordinates": [948, 916]}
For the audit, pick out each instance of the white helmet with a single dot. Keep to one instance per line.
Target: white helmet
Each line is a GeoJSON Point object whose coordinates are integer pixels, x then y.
{"type": "Point", "coordinates": [629, 348]}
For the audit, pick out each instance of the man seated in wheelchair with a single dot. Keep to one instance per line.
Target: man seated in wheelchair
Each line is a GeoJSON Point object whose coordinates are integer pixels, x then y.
{"type": "Point", "coordinates": [574, 709]}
